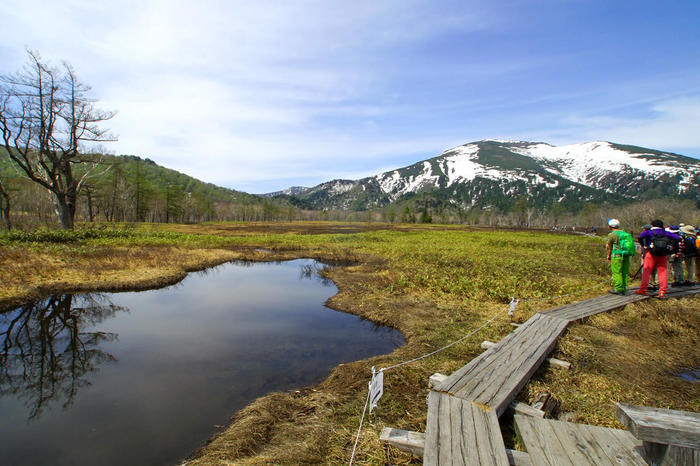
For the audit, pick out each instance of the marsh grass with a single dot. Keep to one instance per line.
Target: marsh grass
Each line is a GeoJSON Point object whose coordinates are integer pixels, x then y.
{"type": "Point", "coordinates": [433, 283]}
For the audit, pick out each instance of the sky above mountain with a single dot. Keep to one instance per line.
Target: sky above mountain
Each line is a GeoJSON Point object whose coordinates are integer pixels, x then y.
{"type": "Point", "coordinates": [259, 96]}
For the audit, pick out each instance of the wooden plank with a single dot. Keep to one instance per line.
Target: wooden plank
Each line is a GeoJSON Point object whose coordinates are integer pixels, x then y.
{"type": "Point", "coordinates": [414, 443]}
{"type": "Point", "coordinates": [520, 358]}
{"type": "Point", "coordinates": [518, 458]}
{"type": "Point", "coordinates": [510, 349]}
{"type": "Point", "coordinates": [679, 456]}
{"type": "Point", "coordinates": [492, 451]}
{"type": "Point", "coordinates": [404, 440]}
{"type": "Point", "coordinates": [532, 440]}
{"type": "Point", "coordinates": [526, 410]}
{"type": "Point", "coordinates": [593, 306]}
{"type": "Point", "coordinates": [432, 430]}
{"type": "Point", "coordinates": [585, 440]}
{"type": "Point", "coordinates": [665, 426]}
{"type": "Point", "coordinates": [619, 445]}
{"type": "Point", "coordinates": [578, 314]}
{"type": "Point", "coordinates": [554, 362]}
{"type": "Point", "coordinates": [435, 379]}
{"type": "Point", "coordinates": [562, 443]}
{"type": "Point", "coordinates": [460, 432]}
{"type": "Point", "coordinates": [506, 379]}
{"type": "Point", "coordinates": [458, 378]}
{"type": "Point", "coordinates": [516, 335]}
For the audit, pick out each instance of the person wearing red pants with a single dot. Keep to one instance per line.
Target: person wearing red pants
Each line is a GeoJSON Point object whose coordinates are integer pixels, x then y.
{"type": "Point", "coordinates": [659, 244]}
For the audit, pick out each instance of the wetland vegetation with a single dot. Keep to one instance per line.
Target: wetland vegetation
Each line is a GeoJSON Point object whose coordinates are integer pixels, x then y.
{"type": "Point", "coordinates": [433, 283]}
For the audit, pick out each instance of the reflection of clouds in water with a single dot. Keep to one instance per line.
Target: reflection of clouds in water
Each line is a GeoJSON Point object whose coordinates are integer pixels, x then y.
{"type": "Point", "coordinates": [46, 353]}
{"type": "Point", "coordinates": [186, 355]}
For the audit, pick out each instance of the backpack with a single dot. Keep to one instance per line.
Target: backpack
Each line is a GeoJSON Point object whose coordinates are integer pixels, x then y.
{"type": "Point", "coordinates": [689, 247]}
{"type": "Point", "coordinates": [660, 245]}
{"type": "Point", "coordinates": [626, 245]}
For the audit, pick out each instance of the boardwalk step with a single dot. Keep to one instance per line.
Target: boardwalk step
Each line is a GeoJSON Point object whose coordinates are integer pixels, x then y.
{"type": "Point", "coordinates": [414, 443]}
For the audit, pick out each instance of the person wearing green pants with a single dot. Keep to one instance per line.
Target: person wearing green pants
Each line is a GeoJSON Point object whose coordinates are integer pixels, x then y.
{"type": "Point", "coordinates": [619, 262]}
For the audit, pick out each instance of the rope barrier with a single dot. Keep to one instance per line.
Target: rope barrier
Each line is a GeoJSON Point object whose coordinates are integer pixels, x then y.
{"type": "Point", "coordinates": [364, 410]}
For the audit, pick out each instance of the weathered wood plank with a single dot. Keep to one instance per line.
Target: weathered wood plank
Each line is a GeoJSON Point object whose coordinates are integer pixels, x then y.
{"type": "Point", "coordinates": [554, 362]}
{"type": "Point", "coordinates": [458, 378]}
{"type": "Point", "coordinates": [665, 426]}
{"type": "Point", "coordinates": [620, 446]}
{"type": "Point", "coordinates": [582, 313]}
{"type": "Point", "coordinates": [492, 451]}
{"type": "Point", "coordinates": [494, 369]}
{"type": "Point", "coordinates": [518, 458]}
{"type": "Point", "coordinates": [679, 456]}
{"type": "Point", "coordinates": [460, 432]}
{"type": "Point", "coordinates": [405, 440]}
{"type": "Point", "coordinates": [562, 443]}
{"type": "Point", "coordinates": [532, 440]}
{"type": "Point", "coordinates": [435, 379]}
{"type": "Point", "coordinates": [484, 383]}
{"type": "Point", "coordinates": [593, 306]}
{"type": "Point", "coordinates": [509, 375]}
{"type": "Point", "coordinates": [526, 410]}
{"type": "Point", "coordinates": [432, 430]}
{"type": "Point", "coordinates": [414, 443]}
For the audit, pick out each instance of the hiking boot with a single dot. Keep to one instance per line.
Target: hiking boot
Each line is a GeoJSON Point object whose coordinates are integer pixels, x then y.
{"type": "Point", "coordinates": [620, 293]}
{"type": "Point", "coordinates": [641, 292]}
{"type": "Point", "coordinates": [661, 295]}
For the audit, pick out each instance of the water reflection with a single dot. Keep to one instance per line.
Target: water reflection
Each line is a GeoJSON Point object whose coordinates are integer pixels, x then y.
{"type": "Point", "coordinates": [45, 352]}
{"type": "Point", "coordinates": [186, 358]}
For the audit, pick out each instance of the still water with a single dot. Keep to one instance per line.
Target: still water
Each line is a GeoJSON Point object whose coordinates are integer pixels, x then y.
{"type": "Point", "coordinates": [147, 377]}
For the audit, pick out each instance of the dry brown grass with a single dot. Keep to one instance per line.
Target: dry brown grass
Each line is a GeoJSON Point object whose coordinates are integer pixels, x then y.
{"type": "Point", "coordinates": [630, 356]}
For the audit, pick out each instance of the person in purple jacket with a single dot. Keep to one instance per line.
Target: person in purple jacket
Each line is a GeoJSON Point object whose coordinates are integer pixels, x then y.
{"type": "Point", "coordinates": [659, 244]}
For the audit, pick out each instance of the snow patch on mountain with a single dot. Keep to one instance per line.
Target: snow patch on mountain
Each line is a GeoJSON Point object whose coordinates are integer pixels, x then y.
{"type": "Point", "coordinates": [586, 163]}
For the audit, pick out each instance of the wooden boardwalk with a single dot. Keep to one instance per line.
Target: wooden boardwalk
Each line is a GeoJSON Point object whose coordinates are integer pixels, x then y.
{"type": "Point", "coordinates": [558, 443]}
{"type": "Point", "coordinates": [463, 409]}
{"type": "Point", "coordinates": [496, 376]}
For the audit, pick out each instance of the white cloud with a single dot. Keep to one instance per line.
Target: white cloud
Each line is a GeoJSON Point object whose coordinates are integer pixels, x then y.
{"type": "Point", "coordinates": [669, 124]}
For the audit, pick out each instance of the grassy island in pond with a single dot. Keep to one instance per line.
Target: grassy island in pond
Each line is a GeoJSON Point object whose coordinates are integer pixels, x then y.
{"type": "Point", "coordinates": [433, 283]}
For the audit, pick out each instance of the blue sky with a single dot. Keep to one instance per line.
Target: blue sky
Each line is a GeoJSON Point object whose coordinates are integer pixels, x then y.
{"type": "Point", "coordinates": [259, 96]}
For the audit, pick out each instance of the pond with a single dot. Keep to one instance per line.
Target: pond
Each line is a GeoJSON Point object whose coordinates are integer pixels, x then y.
{"type": "Point", "coordinates": [148, 377]}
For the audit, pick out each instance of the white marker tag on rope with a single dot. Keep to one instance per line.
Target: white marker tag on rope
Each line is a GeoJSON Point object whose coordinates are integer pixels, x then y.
{"type": "Point", "coordinates": [513, 303]}
{"type": "Point", "coordinates": [376, 389]}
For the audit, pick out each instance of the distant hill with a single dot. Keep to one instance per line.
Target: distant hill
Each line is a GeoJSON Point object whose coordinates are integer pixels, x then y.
{"type": "Point", "coordinates": [495, 174]}
{"type": "Point", "coordinates": [293, 191]}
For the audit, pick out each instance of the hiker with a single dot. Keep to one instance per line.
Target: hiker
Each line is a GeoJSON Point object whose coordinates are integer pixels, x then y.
{"type": "Point", "coordinates": [619, 247]}
{"type": "Point", "coordinates": [690, 253]}
{"type": "Point", "coordinates": [659, 245]}
{"type": "Point", "coordinates": [675, 260]}
{"type": "Point", "coordinates": [652, 279]}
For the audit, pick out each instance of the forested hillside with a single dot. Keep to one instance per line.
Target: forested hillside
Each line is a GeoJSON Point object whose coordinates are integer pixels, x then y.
{"type": "Point", "coordinates": [128, 188]}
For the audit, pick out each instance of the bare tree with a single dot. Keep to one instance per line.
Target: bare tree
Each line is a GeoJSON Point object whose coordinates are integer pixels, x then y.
{"type": "Point", "coordinates": [47, 119]}
{"type": "Point", "coordinates": [5, 207]}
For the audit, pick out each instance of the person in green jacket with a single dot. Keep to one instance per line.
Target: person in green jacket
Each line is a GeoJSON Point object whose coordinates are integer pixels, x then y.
{"type": "Point", "coordinates": [619, 262]}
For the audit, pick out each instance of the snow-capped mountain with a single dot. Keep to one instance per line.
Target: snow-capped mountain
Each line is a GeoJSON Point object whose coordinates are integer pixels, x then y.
{"type": "Point", "coordinates": [293, 191]}
{"type": "Point", "coordinates": [496, 173]}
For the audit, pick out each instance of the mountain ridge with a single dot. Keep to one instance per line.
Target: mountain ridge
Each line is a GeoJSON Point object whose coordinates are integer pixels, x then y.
{"type": "Point", "coordinates": [493, 173]}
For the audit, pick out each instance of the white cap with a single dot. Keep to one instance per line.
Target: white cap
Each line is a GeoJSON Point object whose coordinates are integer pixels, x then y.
{"type": "Point", "coordinates": [614, 223]}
